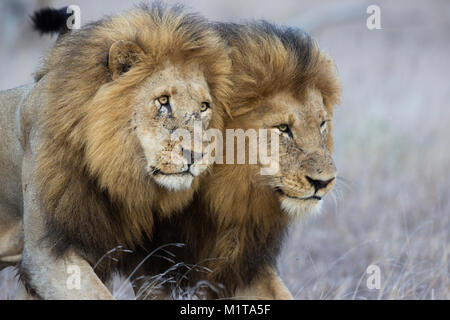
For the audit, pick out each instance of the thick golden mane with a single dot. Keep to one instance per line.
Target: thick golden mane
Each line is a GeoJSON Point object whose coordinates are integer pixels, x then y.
{"type": "Point", "coordinates": [91, 182]}
{"type": "Point", "coordinates": [268, 59]}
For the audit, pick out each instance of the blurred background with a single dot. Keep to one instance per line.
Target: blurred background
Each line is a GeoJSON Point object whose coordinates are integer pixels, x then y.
{"type": "Point", "coordinates": [391, 207]}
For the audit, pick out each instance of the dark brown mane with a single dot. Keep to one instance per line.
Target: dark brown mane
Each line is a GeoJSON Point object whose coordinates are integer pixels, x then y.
{"type": "Point", "coordinates": [268, 59]}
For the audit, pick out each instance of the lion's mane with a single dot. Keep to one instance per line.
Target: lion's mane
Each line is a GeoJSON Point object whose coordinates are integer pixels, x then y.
{"type": "Point", "coordinates": [91, 185]}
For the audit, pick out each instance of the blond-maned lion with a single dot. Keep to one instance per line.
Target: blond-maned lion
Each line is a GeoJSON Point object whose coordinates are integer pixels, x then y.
{"type": "Point", "coordinates": [85, 161]}
{"type": "Point", "coordinates": [235, 226]}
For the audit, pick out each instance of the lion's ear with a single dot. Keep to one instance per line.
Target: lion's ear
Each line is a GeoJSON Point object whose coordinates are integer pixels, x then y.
{"type": "Point", "coordinates": [122, 56]}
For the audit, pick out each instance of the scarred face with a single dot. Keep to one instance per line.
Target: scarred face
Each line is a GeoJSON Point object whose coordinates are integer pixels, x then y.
{"type": "Point", "coordinates": [171, 101]}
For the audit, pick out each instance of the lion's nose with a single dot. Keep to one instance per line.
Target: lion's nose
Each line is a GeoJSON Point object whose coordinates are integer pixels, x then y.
{"type": "Point", "coordinates": [191, 156]}
{"type": "Point", "coordinates": [319, 184]}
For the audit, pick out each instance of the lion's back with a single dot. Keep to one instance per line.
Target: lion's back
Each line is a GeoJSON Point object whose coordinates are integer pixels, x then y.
{"type": "Point", "coordinates": [11, 155]}
{"type": "Point", "coordinates": [11, 150]}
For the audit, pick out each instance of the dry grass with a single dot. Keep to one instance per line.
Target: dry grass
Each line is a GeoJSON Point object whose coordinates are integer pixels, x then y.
{"type": "Point", "coordinates": [391, 208]}
{"type": "Point", "coordinates": [392, 133]}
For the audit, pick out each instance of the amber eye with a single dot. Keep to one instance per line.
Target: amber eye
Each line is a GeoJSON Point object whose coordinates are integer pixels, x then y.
{"type": "Point", "coordinates": [163, 100]}
{"type": "Point", "coordinates": [283, 127]}
{"type": "Point", "coordinates": [205, 106]}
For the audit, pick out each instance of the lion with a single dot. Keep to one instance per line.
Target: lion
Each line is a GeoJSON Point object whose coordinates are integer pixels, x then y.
{"type": "Point", "coordinates": [87, 163]}
{"type": "Point", "coordinates": [284, 83]}
{"type": "Point", "coordinates": [235, 226]}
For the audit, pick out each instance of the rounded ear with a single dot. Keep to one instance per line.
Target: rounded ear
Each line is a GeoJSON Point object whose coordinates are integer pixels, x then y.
{"type": "Point", "coordinates": [122, 56]}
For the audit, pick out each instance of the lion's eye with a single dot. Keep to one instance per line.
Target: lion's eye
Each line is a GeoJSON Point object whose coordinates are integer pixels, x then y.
{"type": "Point", "coordinates": [285, 129]}
{"type": "Point", "coordinates": [323, 126]}
{"type": "Point", "coordinates": [205, 106]}
{"type": "Point", "coordinates": [163, 100]}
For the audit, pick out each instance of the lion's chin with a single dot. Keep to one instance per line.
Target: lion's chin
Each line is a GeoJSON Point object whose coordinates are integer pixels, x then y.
{"type": "Point", "coordinates": [175, 182]}
{"type": "Point", "coordinates": [300, 208]}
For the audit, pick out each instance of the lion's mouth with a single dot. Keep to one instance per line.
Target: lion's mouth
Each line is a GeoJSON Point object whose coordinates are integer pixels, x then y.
{"type": "Point", "coordinates": [313, 197]}
{"type": "Point", "coordinates": [173, 181]}
{"type": "Point", "coordinates": [156, 171]}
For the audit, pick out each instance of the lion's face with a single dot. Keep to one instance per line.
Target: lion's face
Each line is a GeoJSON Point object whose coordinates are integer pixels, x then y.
{"type": "Point", "coordinates": [306, 169]}
{"type": "Point", "coordinates": [170, 102]}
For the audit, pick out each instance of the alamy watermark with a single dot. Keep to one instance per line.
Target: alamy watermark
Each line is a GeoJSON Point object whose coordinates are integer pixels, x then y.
{"type": "Point", "coordinates": [73, 281]}
{"type": "Point", "coordinates": [74, 20]}
{"type": "Point", "coordinates": [374, 277]}
{"type": "Point", "coordinates": [374, 20]}
{"type": "Point", "coordinates": [239, 146]}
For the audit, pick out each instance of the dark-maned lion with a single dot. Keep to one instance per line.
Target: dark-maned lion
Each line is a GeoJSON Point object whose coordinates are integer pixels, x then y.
{"type": "Point", "coordinates": [284, 83]}
{"type": "Point", "coordinates": [85, 153]}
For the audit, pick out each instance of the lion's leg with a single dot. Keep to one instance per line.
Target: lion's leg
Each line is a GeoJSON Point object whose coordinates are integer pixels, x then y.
{"type": "Point", "coordinates": [70, 277]}
{"type": "Point", "coordinates": [11, 237]}
{"type": "Point", "coordinates": [269, 286]}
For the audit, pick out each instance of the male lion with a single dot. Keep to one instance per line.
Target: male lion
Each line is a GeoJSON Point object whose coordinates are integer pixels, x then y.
{"type": "Point", "coordinates": [284, 83]}
{"type": "Point", "coordinates": [234, 228]}
{"type": "Point", "coordinates": [86, 155]}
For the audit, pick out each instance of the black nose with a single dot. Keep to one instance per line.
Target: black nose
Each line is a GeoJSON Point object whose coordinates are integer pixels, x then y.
{"type": "Point", "coordinates": [319, 184]}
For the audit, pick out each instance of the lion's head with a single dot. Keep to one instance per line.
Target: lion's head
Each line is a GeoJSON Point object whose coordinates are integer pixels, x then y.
{"type": "Point", "coordinates": [285, 84]}
{"type": "Point", "coordinates": [121, 87]}
{"type": "Point", "coordinates": [306, 170]}
{"type": "Point", "coordinates": [174, 97]}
